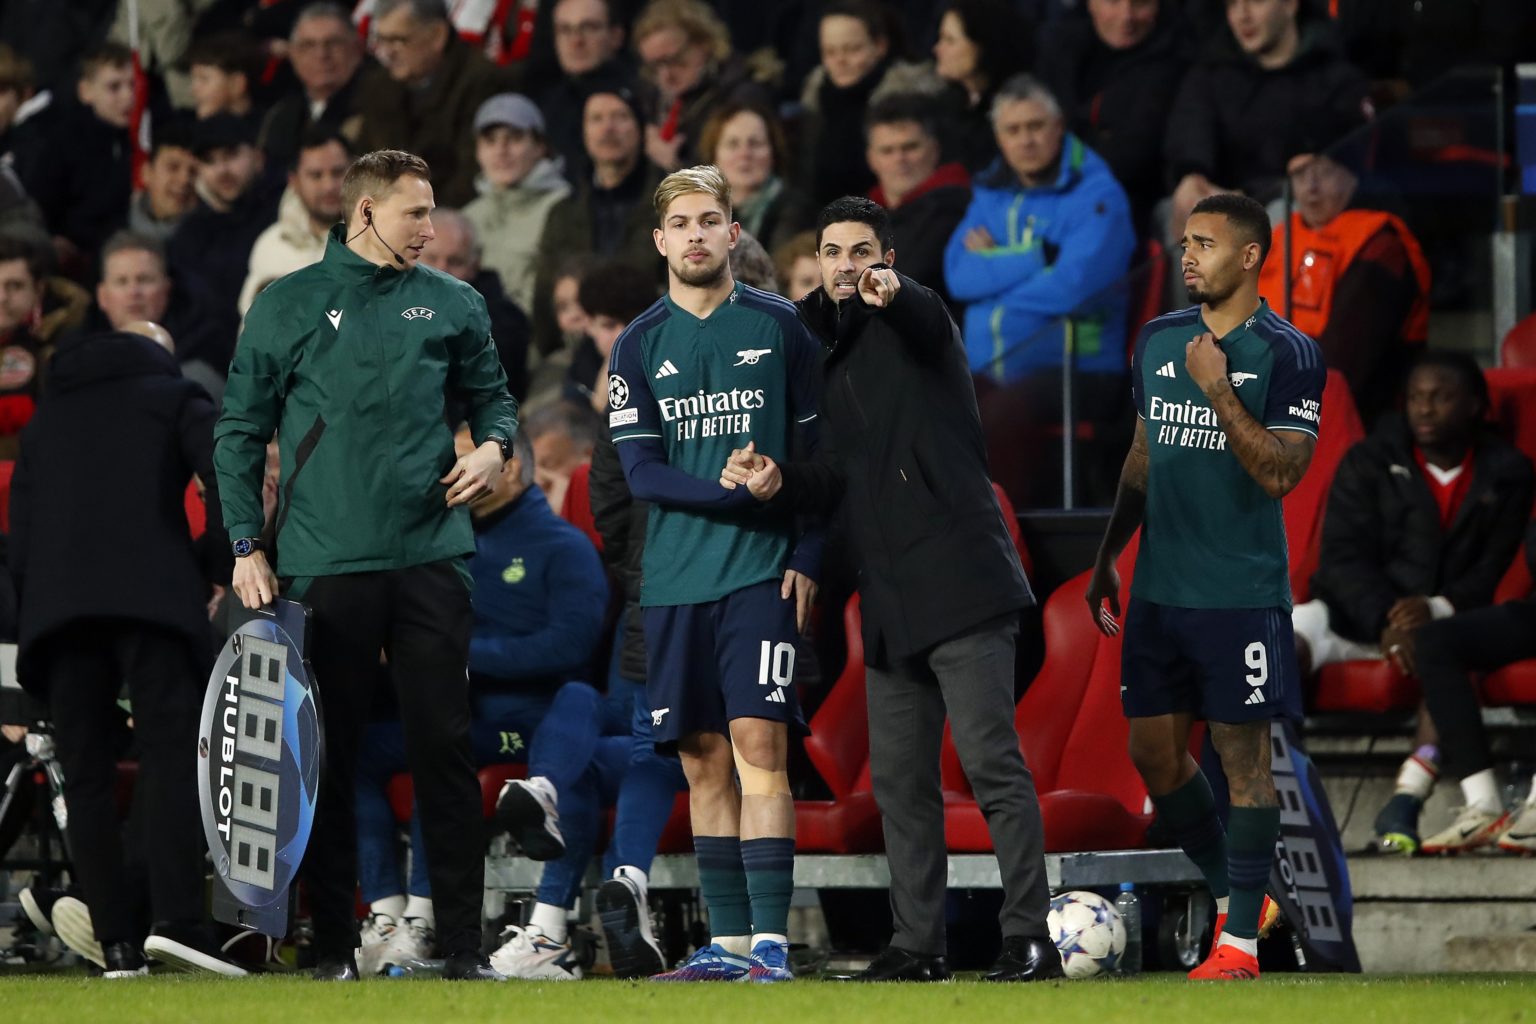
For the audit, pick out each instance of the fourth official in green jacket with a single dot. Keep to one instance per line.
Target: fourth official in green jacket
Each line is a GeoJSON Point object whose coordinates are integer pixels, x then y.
{"type": "Point", "coordinates": [353, 363]}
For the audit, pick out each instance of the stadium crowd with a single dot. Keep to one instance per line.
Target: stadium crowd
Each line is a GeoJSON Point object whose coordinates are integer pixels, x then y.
{"type": "Point", "coordinates": [165, 161]}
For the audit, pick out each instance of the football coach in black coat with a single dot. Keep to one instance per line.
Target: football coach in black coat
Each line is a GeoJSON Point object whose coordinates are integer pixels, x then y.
{"type": "Point", "coordinates": [940, 583]}
{"type": "Point", "coordinates": [112, 589]}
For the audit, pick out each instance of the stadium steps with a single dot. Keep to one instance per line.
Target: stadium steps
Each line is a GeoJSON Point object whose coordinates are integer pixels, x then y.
{"type": "Point", "coordinates": [1430, 914]}
{"type": "Point", "coordinates": [1514, 951]}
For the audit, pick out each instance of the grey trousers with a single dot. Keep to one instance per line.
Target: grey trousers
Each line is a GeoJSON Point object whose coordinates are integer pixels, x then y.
{"type": "Point", "coordinates": [972, 677]}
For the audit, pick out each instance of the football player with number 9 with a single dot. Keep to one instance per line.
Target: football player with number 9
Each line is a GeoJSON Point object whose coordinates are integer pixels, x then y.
{"type": "Point", "coordinates": [1230, 397]}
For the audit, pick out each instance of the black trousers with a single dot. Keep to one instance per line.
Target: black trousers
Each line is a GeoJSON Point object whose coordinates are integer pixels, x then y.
{"type": "Point", "coordinates": [969, 677]}
{"type": "Point", "coordinates": [85, 666]}
{"type": "Point", "coordinates": [1446, 650]}
{"type": "Point", "coordinates": [420, 619]}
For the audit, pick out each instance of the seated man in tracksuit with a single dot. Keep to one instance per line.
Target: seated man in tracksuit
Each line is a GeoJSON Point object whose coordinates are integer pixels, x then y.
{"type": "Point", "coordinates": [1424, 517]}
{"type": "Point", "coordinates": [539, 598]}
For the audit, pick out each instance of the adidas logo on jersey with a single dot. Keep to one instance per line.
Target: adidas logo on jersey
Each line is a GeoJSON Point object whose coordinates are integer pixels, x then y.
{"type": "Point", "coordinates": [1166, 370]}
{"type": "Point", "coordinates": [1256, 697]}
{"type": "Point", "coordinates": [667, 369]}
{"type": "Point", "coordinates": [775, 697]}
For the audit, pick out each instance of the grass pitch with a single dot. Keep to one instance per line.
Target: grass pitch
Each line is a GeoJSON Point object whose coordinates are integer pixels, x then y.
{"type": "Point", "coordinates": [1291, 999]}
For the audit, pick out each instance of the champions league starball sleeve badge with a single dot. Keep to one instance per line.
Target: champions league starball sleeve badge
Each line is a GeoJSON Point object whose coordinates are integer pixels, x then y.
{"type": "Point", "coordinates": [259, 759]}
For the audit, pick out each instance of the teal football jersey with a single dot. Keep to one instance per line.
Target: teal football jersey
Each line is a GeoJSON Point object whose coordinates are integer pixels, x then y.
{"type": "Point", "coordinates": [747, 372]}
{"type": "Point", "coordinates": [1212, 537]}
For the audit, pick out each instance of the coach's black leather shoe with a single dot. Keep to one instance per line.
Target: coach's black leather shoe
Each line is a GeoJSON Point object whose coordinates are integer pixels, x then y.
{"type": "Point", "coordinates": [336, 968]}
{"type": "Point", "coordinates": [897, 964]}
{"type": "Point", "coordinates": [470, 965]}
{"type": "Point", "coordinates": [1025, 959]}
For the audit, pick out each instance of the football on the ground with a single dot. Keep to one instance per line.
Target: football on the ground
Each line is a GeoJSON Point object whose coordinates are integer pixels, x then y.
{"type": "Point", "coordinates": [1087, 929]}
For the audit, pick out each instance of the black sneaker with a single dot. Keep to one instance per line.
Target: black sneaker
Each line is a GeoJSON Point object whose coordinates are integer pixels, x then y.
{"type": "Point", "coordinates": [632, 949]}
{"type": "Point", "coordinates": [123, 961]}
{"type": "Point", "coordinates": [528, 811]}
{"type": "Point", "coordinates": [191, 948]}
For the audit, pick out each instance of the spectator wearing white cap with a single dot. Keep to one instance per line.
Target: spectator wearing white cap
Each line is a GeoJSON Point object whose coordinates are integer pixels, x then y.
{"type": "Point", "coordinates": [520, 181]}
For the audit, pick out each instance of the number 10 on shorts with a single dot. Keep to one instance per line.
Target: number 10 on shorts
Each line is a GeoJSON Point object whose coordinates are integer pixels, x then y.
{"type": "Point", "coordinates": [1257, 660]}
{"type": "Point", "coordinates": [776, 668]}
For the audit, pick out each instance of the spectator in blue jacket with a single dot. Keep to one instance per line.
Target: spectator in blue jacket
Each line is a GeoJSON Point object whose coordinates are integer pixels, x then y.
{"type": "Point", "coordinates": [540, 593]}
{"type": "Point", "coordinates": [1047, 232]}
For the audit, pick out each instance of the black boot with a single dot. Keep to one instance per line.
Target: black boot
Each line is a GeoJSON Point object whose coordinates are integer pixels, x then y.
{"type": "Point", "coordinates": [1024, 959]}
{"type": "Point", "coordinates": [336, 968]}
{"type": "Point", "coordinates": [897, 964]}
{"type": "Point", "coordinates": [470, 965]}
{"type": "Point", "coordinates": [123, 960]}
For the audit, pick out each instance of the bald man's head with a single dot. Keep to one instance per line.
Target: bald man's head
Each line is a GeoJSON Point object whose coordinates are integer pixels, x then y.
{"type": "Point", "coordinates": [154, 332]}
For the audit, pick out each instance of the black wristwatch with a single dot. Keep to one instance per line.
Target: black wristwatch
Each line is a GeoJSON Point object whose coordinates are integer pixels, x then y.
{"type": "Point", "coordinates": [504, 444]}
{"type": "Point", "coordinates": [245, 545]}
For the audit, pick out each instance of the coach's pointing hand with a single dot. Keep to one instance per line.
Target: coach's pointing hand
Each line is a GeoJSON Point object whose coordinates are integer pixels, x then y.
{"type": "Point", "coordinates": [474, 475]}
{"type": "Point", "coordinates": [1205, 361]}
{"type": "Point", "coordinates": [878, 285]}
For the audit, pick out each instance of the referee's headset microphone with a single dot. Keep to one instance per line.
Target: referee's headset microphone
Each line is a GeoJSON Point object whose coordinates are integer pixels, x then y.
{"type": "Point", "coordinates": [368, 225]}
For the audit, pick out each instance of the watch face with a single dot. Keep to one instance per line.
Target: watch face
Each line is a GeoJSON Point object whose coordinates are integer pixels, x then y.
{"type": "Point", "coordinates": [243, 547]}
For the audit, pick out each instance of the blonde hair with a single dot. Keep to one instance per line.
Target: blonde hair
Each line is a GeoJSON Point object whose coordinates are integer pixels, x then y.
{"type": "Point", "coordinates": [376, 174]}
{"type": "Point", "coordinates": [705, 178]}
{"type": "Point", "coordinates": [695, 19]}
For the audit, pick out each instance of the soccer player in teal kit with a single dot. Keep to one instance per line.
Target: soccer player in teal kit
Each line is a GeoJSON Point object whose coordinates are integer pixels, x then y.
{"type": "Point", "coordinates": [1230, 398]}
{"type": "Point", "coordinates": [726, 585]}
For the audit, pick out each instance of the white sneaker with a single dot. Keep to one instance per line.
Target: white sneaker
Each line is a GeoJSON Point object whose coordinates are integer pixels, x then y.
{"type": "Point", "coordinates": [413, 939]}
{"type": "Point", "coordinates": [72, 921]}
{"type": "Point", "coordinates": [534, 956]}
{"type": "Point", "coordinates": [1472, 828]}
{"type": "Point", "coordinates": [1520, 836]}
{"type": "Point", "coordinates": [528, 810]}
{"type": "Point", "coordinates": [374, 938]}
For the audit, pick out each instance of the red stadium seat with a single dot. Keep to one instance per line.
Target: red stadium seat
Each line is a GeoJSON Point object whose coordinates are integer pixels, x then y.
{"type": "Point", "coordinates": [1513, 684]}
{"type": "Point", "coordinates": [1374, 686]}
{"type": "Point", "coordinates": [7, 468]}
{"type": "Point", "coordinates": [1513, 395]}
{"type": "Point", "coordinates": [1519, 346]}
{"type": "Point", "coordinates": [1304, 506]}
{"type": "Point", "coordinates": [1074, 735]}
{"type": "Point", "coordinates": [197, 512]}
{"type": "Point", "coordinates": [838, 748]}
{"type": "Point", "coordinates": [1011, 523]}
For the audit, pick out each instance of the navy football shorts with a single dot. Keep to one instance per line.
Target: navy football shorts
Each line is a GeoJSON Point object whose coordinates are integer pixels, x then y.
{"type": "Point", "coordinates": [1227, 665]}
{"type": "Point", "coordinates": [709, 664]}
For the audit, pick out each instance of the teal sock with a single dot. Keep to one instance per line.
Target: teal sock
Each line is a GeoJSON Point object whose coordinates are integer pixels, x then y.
{"type": "Point", "coordinates": [723, 884]}
{"type": "Point", "coordinates": [770, 866]}
{"type": "Point", "coordinates": [1251, 835]}
{"type": "Point", "coordinates": [1189, 812]}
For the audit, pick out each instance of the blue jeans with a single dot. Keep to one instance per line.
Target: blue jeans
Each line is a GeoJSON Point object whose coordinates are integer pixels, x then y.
{"type": "Point", "coordinates": [651, 780]}
{"type": "Point", "coordinates": [557, 734]}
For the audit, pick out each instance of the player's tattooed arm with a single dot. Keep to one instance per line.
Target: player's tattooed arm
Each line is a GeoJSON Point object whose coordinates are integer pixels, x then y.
{"type": "Point", "coordinates": [1130, 508]}
{"type": "Point", "coordinates": [1130, 496]}
{"type": "Point", "coordinates": [1275, 458]}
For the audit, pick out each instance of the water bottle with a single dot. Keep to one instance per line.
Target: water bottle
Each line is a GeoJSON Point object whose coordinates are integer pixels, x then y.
{"type": "Point", "coordinates": [1129, 907]}
{"type": "Point", "coordinates": [415, 969]}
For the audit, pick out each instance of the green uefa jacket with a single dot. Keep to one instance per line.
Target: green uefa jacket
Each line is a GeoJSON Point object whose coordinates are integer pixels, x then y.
{"type": "Point", "coordinates": [349, 364]}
